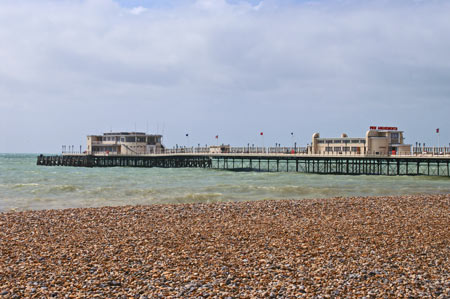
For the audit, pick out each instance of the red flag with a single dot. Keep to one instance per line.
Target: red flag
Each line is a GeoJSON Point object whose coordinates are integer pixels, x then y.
{"type": "Point", "coordinates": [437, 130]}
{"type": "Point", "coordinates": [217, 136]}
{"type": "Point", "coordinates": [262, 133]}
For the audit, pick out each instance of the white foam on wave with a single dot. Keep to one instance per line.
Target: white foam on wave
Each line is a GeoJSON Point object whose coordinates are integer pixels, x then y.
{"type": "Point", "coordinates": [17, 186]}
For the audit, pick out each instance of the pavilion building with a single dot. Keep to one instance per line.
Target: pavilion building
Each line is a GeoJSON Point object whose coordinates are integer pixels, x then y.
{"type": "Point", "coordinates": [124, 143]}
{"type": "Point", "coordinates": [378, 141]}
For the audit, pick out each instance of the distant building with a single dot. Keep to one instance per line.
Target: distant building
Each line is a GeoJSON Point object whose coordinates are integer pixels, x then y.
{"type": "Point", "coordinates": [378, 141]}
{"type": "Point", "coordinates": [219, 149]}
{"type": "Point", "coordinates": [124, 143]}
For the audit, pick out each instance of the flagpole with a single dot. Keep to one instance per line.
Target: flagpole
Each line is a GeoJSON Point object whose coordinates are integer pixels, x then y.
{"type": "Point", "coordinates": [292, 139]}
{"type": "Point", "coordinates": [439, 143]}
{"type": "Point", "coordinates": [262, 137]}
{"type": "Point", "coordinates": [438, 132]}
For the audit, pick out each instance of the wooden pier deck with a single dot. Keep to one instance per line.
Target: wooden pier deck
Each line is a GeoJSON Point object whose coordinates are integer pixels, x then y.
{"type": "Point", "coordinates": [320, 164]}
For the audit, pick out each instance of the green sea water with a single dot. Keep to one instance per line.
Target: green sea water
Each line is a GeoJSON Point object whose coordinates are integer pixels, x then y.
{"type": "Point", "coordinates": [26, 186]}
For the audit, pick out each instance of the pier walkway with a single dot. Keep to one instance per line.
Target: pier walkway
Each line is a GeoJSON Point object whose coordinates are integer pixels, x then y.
{"type": "Point", "coordinates": [427, 165]}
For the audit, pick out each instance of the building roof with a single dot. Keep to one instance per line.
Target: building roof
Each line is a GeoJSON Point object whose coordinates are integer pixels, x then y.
{"type": "Point", "coordinates": [123, 133]}
{"type": "Point", "coordinates": [341, 138]}
{"type": "Point", "coordinates": [126, 134]}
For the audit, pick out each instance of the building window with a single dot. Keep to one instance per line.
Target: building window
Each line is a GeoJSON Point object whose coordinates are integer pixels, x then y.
{"type": "Point", "coordinates": [320, 141]}
{"type": "Point", "coordinates": [130, 139]}
{"type": "Point", "coordinates": [337, 141]}
{"type": "Point", "coordinates": [354, 148]}
{"type": "Point", "coordinates": [395, 138]}
{"type": "Point", "coordinates": [337, 149]}
{"type": "Point", "coordinates": [346, 149]}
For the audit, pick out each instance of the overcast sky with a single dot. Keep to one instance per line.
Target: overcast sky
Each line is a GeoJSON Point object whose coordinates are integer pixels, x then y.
{"type": "Point", "coordinates": [228, 68]}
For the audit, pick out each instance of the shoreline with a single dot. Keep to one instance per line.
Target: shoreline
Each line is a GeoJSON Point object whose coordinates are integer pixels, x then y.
{"type": "Point", "coordinates": [357, 246]}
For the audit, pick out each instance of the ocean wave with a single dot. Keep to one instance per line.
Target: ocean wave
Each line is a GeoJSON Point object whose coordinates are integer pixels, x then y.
{"type": "Point", "coordinates": [284, 190]}
{"type": "Point", "coordinates": [101, 191]}
{"type": "Point", "coordinates": [19, 186]}
{"type": "Point", "coordinates": [197, 197]}
{"type": "Point", "coordinates": [64, 188]}
{"type": "Point", "coordinates": [113, 192]}
{"type": "Point", "coordinates": [32, 203]}
{"type": "Point", "coordinates": [139, 192]}
{"type": "Point", "coordinates": [55, 189]}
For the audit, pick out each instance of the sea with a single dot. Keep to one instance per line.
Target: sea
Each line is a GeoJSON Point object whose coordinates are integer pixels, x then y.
{"type": "Point", "coordinates": [26, 186]}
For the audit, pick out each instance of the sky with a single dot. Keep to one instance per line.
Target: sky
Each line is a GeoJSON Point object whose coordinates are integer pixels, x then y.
{"type": "Point", "coordinates": [230, 68]}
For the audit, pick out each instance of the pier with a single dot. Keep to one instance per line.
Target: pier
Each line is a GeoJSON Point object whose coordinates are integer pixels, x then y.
{"type": "Point", "coordinates": [303, 163]}
{"type": "Point", "coordinates": [381, 152]}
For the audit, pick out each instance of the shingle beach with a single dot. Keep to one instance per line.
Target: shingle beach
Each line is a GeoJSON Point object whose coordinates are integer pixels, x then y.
{"type": "Point", "coordinates": [341, 247]}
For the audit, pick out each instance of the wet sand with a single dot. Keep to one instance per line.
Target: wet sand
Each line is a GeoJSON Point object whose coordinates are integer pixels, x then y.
{"type": "Point", "coordinates": [341, 247]}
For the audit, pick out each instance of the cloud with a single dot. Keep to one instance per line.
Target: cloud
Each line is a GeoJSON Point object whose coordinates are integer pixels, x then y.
{"type": "Point", "coordinates": [138, 10]}
{"type": "Point", "coordinates": [233, 67]}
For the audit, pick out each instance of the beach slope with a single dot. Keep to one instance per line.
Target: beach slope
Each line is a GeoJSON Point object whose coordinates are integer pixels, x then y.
{"type": "Point", "coordinates": [375, 247]}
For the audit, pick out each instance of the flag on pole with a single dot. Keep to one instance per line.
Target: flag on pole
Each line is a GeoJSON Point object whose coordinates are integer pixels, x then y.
{"type": "Point", "coordinates": [262, 133]}
{"type": "Point", "coordinates": [437, 130]}
{"type": "Point", "coordinates": [217, 136]}
{"type": "Point", "coordinates": [292, 133]}
{"type": "Point", "coordinates": [187, 135]}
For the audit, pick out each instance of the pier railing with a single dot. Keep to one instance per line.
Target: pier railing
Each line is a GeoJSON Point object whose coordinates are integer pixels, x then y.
{"type": "Point", "coordinates": [416, 151]}
{"type": "Point", "coordinates": [237, 150]}
{"type": "Point", "coordinates": [431, 150]}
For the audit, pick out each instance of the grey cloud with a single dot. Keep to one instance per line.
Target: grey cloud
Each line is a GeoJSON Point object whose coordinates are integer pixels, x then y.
{"type": "Point", "coordinates": [271, 64]}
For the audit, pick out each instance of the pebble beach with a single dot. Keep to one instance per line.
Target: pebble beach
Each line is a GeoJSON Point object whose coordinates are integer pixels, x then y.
{"type": "Point", "coordinates": [373, 247]}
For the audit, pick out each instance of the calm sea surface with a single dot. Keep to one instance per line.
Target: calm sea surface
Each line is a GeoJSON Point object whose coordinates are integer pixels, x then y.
{"type": "Point", "coordinates": [25, 186]}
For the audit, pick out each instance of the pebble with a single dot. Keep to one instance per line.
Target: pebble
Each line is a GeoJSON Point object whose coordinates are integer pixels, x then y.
{"type": "Point", "coordinates": [371, 247]}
